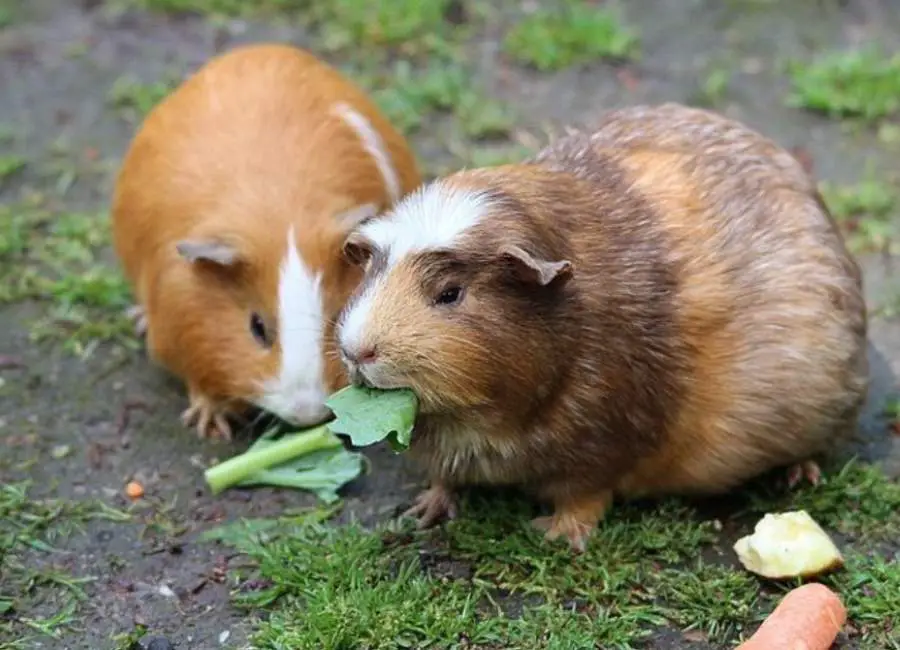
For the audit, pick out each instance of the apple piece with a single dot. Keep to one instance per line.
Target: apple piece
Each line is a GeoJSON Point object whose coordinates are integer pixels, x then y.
{"type": "Point", "coordinates": [788, 545]}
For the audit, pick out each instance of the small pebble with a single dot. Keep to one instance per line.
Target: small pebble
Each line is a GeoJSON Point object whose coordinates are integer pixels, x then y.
{"type": "Point", "coordinates": [60, 451]}
{"type": "Point", "coordinates": [134, 490]}
{"type": "Point", "coordinates": [159, 643]}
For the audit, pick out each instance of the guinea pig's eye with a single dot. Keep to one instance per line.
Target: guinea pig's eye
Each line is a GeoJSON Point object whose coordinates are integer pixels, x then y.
{"type": "Point", "coordinates": [449, 296]}
{"type": "Point", "coordinates": [259, 331]}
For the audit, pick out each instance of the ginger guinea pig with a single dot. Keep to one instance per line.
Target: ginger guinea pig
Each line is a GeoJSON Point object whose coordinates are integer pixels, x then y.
{"type": "Point", "coordinates": [229, 214]}
{"type": "Point", "coordinates": [659, 306]}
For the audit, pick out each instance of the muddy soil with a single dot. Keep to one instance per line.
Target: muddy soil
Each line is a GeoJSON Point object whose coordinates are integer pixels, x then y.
{"type": "Point", "coordinates": [119, 415]}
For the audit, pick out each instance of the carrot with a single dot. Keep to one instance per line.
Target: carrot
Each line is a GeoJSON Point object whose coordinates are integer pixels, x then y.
{"type": "Point", "coordinates": [808, 618]}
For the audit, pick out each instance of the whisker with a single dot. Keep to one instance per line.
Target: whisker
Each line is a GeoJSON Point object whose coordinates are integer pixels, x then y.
{"type": "Point", "coordinates": [468, 343]}
{"type": "Point", "coordinates": [254, 423]}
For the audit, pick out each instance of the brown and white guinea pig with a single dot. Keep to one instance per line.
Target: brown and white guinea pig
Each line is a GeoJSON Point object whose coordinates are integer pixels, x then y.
{"type": "Point", "coordinates": [229, 214]}
{"type": "Point", "coordinates": [660, 306]}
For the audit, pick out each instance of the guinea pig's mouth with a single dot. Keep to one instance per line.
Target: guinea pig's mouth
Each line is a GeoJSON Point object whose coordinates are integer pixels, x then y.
{"type": "Point", "coordinates": [359, 376]}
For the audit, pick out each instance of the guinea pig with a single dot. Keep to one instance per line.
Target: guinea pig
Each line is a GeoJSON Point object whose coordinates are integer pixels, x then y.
{"type": "Point", "coordinates": [229, 214]}
{"type": "Point", "coordinates": [658, 305]}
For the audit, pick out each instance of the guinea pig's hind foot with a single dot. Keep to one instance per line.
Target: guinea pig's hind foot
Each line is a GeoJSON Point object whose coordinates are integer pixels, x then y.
{"type": "Point", "coordinates": [138, 317]}
{"type": "Point", "coordinates": [432, 505]}
{"type": "Point", "coordinates": [808, 469]}
{"type": "Point", "coordinates": [209, 421]}
{"type": "Point", "coordinates": [574, 521]}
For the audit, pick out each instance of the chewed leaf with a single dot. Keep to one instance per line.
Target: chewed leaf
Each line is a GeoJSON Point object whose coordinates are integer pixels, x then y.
{"type": "Point", "coordinates": [322, 472]}
{"type": "Point", "coordinates": [369, 415]}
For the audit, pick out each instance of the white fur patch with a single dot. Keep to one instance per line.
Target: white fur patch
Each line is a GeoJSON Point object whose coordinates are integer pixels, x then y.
{"type": "Point", "coordinates": [432, 217]}
{"type": "Point", "coordinates": [373, 144]}
{"type": "Point", "coordinates": [298, 393]}
{"type": "Point", "coordinates": [353, 321]}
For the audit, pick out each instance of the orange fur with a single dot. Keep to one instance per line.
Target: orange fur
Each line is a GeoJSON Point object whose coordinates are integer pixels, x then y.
{"type": "Point", "coordinates": [243, 150]}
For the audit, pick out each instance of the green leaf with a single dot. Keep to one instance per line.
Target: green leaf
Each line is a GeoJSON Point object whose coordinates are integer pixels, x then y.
{"type": "Point", "coordinates": [313, 459]}
{"type": "Point", "coordinates": [369, 415]}
{"type": "Point", "coordinates": [321, 472]}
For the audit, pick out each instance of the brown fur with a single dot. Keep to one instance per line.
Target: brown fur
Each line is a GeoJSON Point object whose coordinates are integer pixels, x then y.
{"type": "Point", "coordinates": [712, 327]}
{"type": "Point", "coordinates": [241, 151]}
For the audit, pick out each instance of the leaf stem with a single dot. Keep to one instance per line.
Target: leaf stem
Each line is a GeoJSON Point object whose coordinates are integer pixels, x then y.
{"type": "Point", "coordinates": [236, 469]}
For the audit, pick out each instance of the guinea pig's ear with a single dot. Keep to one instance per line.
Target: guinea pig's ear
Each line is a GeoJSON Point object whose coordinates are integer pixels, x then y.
{"type": "Point", "coordinates": [350, 219]}
{"type": "Point", "coordinates": [208, 250]}
{"type": "Point", "coordinates": [534, 270]}
{"type": "Point", "coordinates": [357, 250]}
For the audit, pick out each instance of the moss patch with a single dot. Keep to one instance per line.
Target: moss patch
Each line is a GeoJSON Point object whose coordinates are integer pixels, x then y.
{"type": "Point", "coordinates": [867, 213]}
{"type": "Point", "coordinates": [862, 83]}
{"type": "Point", "coordinates": [574, 33]}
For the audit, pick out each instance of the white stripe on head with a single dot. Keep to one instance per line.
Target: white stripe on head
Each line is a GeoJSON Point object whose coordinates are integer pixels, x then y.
{"type": "Point", "coordinates": [432, 217]}
{"type": "Point", "coordinates": [374, 145]}
{"type": "Point", "coordinates": [298, 393]}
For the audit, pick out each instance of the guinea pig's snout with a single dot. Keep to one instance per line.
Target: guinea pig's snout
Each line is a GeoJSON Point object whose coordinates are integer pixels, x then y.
{"type": "Point", "coordinates": [359, 356]}
{"type": "Point", "coordinates": [356, 360]}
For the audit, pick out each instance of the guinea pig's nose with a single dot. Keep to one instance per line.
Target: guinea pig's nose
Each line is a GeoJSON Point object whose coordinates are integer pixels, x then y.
{"type": "Point", "coordinates": [361, 356]}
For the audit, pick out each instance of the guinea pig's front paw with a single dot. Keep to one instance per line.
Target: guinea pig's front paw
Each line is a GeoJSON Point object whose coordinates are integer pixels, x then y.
{"type": "Point", "coordinates": [209, 420]}
{"type": "Point", "coordinates": [808, 469]}
{"type": "Point", "coordinates": [433, 504]}
{"type": "Point", "coordinates": [574, 522]}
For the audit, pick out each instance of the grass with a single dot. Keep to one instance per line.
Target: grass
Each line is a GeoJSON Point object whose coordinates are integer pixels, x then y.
{"type": "Point", "coordinates": [133, 99]}
{"type": "Point", "coordinates": [576, 33]}
{"type": "Point", "coordinates": [487, 581]}
{"type": "Point", "coordinates": [53, 257]}
{"type": "Point", "coordinates": [9, 10]}
{"type": "Point", "coordinates": [867, 213]}
{"type": "Point", "coordinates": [407, 27]}
{"type": "Point", "coordinates": [10, 166]}
{"type": "Point", "coordinates": [225, 8]}
{"type": "Point", "coordinates": [712, 89]}
{"type": "Point", "coordinates": [856, 502]}
{"type": "Point", "coordinates": [413, 96]}
{"type": "Point", "coordinates": [862, 83]}
{"type": "Point", "coordinates": [39, 597]}
{"type": "Point", "coordinates": [407, 53]}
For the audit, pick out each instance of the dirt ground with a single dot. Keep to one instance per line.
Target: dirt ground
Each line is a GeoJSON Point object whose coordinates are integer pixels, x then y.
{"type": "Point", "coordinates": [118, 416]}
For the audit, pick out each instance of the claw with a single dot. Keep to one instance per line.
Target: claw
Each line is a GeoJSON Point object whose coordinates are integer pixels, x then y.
{"type": "Point", "coordinates": [138, 316]}
{"type": "Point", "coordinates": [809, 470]}
{"type": "Point", "coordinates": [209, 421]}
{"type": "Point", "coordinates": [574, 521]}
{"type": "Point", "coordinates": [432, 505]}
{"type": "Point", "coordinates": [565, 526]}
